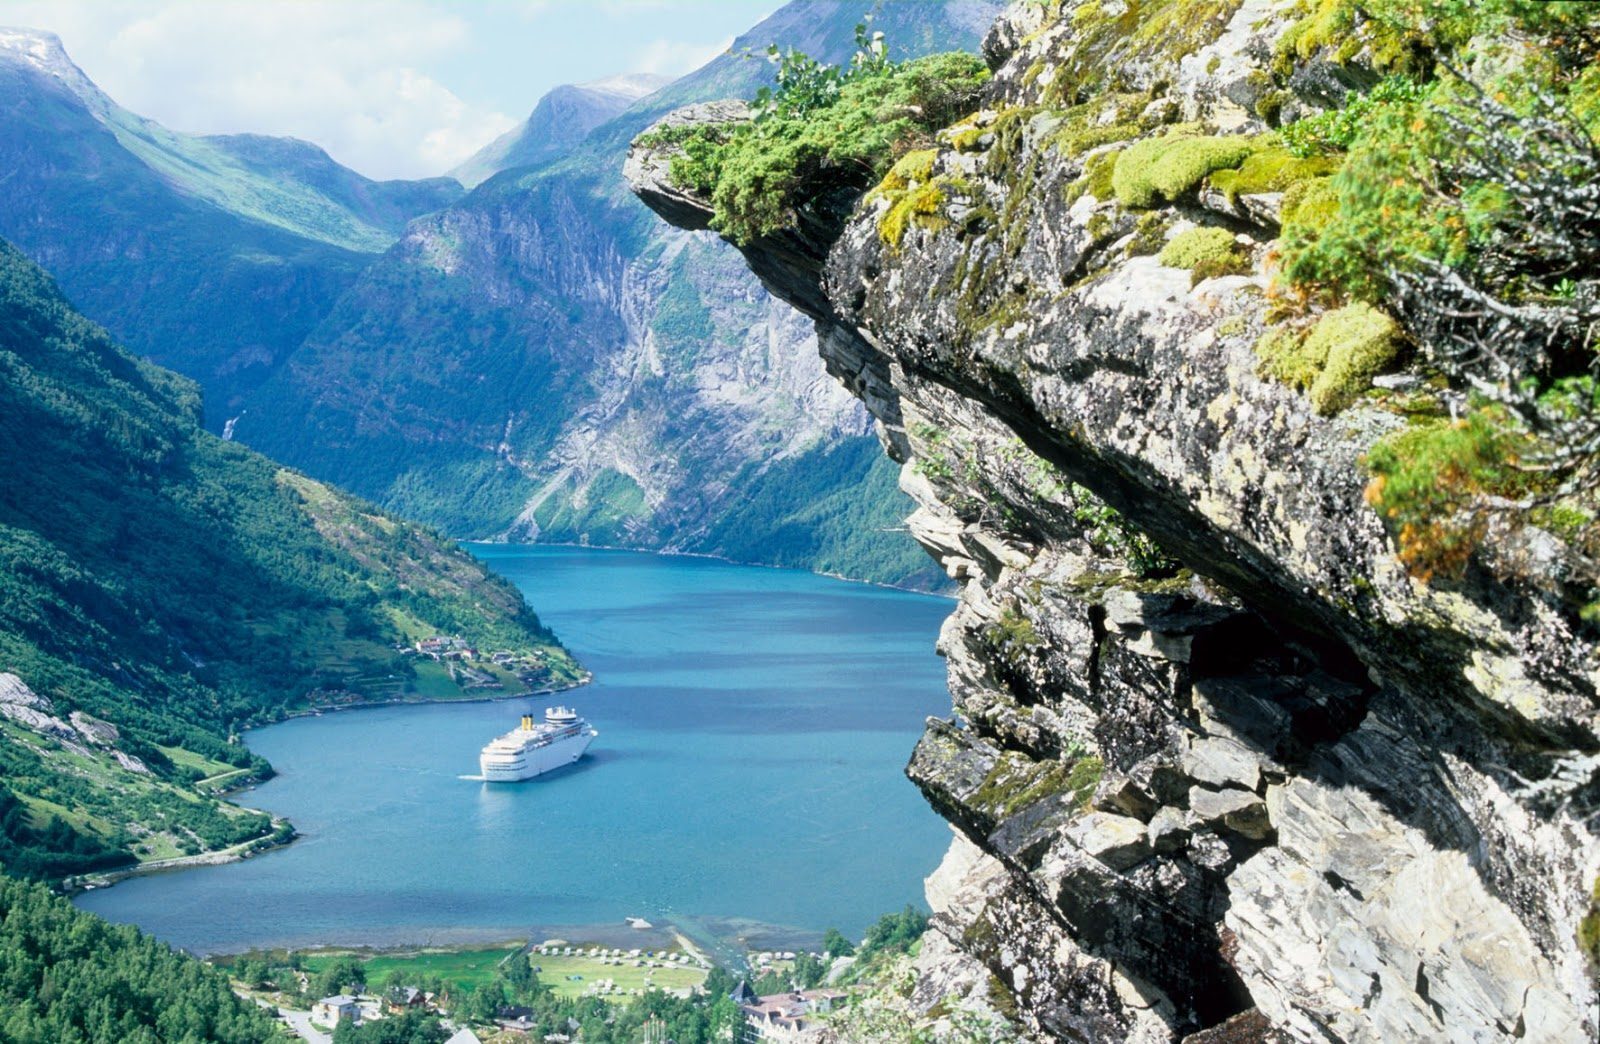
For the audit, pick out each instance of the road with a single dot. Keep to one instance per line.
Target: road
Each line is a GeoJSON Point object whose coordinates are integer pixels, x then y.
{"type": "Point", "coordinates": [301, 1022]}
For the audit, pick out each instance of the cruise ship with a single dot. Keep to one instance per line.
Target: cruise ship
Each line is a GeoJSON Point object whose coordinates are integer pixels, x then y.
{"type": "Point", "coordinates": [534, 748]}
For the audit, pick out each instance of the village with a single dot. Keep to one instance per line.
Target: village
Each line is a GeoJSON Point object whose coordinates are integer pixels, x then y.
{"type": "Point", "coordinates": [473, 671]}
{"type": "Point", "coordinates": [617, 975]}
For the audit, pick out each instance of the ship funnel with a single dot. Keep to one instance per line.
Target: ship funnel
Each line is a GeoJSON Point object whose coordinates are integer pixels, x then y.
{"type": "Point", "coordinates": [527, 721]}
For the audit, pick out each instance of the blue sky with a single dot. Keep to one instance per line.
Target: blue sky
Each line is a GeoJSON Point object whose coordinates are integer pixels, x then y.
{"type": "Point", "coordinates": [393, 88]}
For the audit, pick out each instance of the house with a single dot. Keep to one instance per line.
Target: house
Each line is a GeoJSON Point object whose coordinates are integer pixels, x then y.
{"type": "Point", "coordinates": [514, 1017]}
{"type": "Point", "coordinates": [406, 999]}
{"type": "Point", "coordinates": [464, 1036]}
{"type": "Point", "coordinates": [788, 1018]}
{"type": "Point", "coordinates": [331, 1010]}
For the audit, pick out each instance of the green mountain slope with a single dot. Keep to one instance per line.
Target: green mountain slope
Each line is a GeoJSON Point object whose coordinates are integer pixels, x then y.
{"type": "Point", "coordinates": [160, 587]}
{"type": "Point", "coordinates": [214, 256]}
{"type": "Point", "coordinates": [545, 361]}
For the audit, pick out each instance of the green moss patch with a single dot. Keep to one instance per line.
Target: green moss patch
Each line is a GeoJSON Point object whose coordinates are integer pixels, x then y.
{"type": "Point", "coordinates": [1164, 169]}
{"type": "Point", "coordinates": [913, 167]}
{"type": "Point", "coordinates": [1336, 361]}
{"type": "Point", "coordinates": [1589, 929]}
{"type": "Point", "coordinates": [1270, 170]}
{"type": "Point", "coordinates": [1149, 235]}
{"type": "Point", "coordinates": [921, 206]}
{"type": "Point", "coordinates": [1096, 178]}
{"type": "Point", "coordinates": [1190, 248]}
{"type": "Point", "coordinates": [1206, 252]}
{"type": "Point", "coordinates": [1017, 782]}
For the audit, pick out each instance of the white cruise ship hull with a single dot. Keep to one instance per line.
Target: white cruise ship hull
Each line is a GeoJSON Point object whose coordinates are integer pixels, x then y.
{"type": "Point", "coordinates": [534, 760]}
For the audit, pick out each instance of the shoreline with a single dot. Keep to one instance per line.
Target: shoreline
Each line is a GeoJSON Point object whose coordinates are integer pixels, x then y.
{"type": "Point", "coordinates": [661, 935]}
{"type": "Point", "coordinates": [316, 712]}
{"type": "Point", "coordinates": [220, 857]}
{"type": "Point", "coordinates": [706, 555]}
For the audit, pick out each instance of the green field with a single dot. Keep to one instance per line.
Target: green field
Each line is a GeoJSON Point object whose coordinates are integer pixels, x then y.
{"type": "Point", "coordinates": [472, 968]}
{"type": "Point", "coordinates": [469, 968]}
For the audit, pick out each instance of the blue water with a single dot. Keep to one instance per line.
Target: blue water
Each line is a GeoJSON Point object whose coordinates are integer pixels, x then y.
{"type": "Point", "coordinates": [746, 781]}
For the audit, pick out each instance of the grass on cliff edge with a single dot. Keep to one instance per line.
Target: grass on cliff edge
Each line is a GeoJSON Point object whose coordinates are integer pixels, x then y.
{"type": "Point", "coordinates": [758, 173]}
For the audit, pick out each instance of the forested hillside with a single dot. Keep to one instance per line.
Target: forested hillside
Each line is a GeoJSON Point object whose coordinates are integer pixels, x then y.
{"type": "Point", "coordinates": [68, 977]}
{"type": "Point", "coordinates": [160, 588]}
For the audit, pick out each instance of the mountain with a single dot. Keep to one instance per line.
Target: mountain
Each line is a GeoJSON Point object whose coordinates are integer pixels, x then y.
{"type": "Point", "coordinates": [213, 255]}
{"type": "Point", "coordinates": [562, 118]}
{"type": "Point", "coordinates": [541, 360]}
{"type": "Point", "coordinates": [161, 588]}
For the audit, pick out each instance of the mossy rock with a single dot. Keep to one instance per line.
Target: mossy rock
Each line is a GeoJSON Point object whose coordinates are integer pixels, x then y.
{"type": "Point", "coordinates": [1193, 246]}
{"type": "Point", "coordinates": [968, 139]}
{"type": "Point", "coordinates": [922, 206]}
{"type": "Point", "coordinates": [1270, 170]}
{"type": "Point", "coordinates": [1017, 782]}
{"type": "Point", "coordinates": [1207, 252]}
{"type": "Point", "coordinates": [1165, 168]}
{"type": "Point", "coordinates": [1096, 178]}
{"type": "Point", "coordinates": [1589, 929]}
{"type": "Point", "coordinates": [912, 168]}
{"type": "Point", "coordinates": [1149, 235]}
{"type": "Point", "coordinates": [1336, 361]}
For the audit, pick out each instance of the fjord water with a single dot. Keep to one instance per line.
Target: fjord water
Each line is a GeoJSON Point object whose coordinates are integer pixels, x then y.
{"type": "Point", "coordinates": [753, 725]}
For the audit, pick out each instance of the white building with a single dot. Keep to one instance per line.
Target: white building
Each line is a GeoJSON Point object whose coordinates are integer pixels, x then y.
{"type": "Point", "coordinates": [330, 1010]}
{"type": "Point", "coordinates": [788, 1018]}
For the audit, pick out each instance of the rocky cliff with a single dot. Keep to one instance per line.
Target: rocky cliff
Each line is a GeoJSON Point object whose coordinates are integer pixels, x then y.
{"type": "Point", "coordinates": [1219, 767]}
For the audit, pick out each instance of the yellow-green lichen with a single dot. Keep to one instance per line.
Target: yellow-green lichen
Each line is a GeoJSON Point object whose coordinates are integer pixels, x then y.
{"type": "Point", "coordinates": [1336, 361]}
{"type": "Point", "coordinates": [1096, 178]}
{"type": "Point", "coordinates": [1165, 168]}
{"type": "Point", "coordinates": [920, 206]}
{"type": "Point", "coordinates": [910, 169]}
{"type": "Point", "coordinates": [1270, 170]}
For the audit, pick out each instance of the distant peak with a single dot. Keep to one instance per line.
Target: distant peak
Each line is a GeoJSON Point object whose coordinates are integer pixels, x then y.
{"type": "Point", "coordinates": [631, 85]}
{"type": "Point", "coordinates": [42, 51]}
{"type": "Point", "coordinates": [36, 46]}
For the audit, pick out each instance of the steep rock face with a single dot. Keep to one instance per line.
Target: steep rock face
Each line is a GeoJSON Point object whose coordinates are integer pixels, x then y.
{"type": "Point", "coordinates": [1286, 793]}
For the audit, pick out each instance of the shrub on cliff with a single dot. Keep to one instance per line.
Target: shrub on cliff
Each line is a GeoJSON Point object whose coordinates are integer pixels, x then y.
{"type": "Point", "coordinates": [1468, 205]}
{"type": "Point", "coordinates": [823, 128]}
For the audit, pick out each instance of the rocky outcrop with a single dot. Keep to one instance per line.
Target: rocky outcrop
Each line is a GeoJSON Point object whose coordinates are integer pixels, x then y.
{"type": "Point", "coordinates": [1277, 789]}
{"type": "Point", "coordinates": [37, 714]}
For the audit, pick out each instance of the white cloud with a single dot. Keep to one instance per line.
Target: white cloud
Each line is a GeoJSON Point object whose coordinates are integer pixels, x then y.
{"type": "Point", "coordinates": [344, 75]}
{"type": "Point", "coordinates": [675, 57]}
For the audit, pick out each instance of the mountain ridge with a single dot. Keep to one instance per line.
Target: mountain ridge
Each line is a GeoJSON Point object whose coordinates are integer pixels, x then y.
{"type": "Point", "coordinates": [566, 301]}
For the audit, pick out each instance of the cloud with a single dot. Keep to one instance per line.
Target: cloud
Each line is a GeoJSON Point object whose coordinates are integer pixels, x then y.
{"type": "Point", "coordinates": [675, 57]}
{"type": "Point", "coordinates": [346, 75]}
